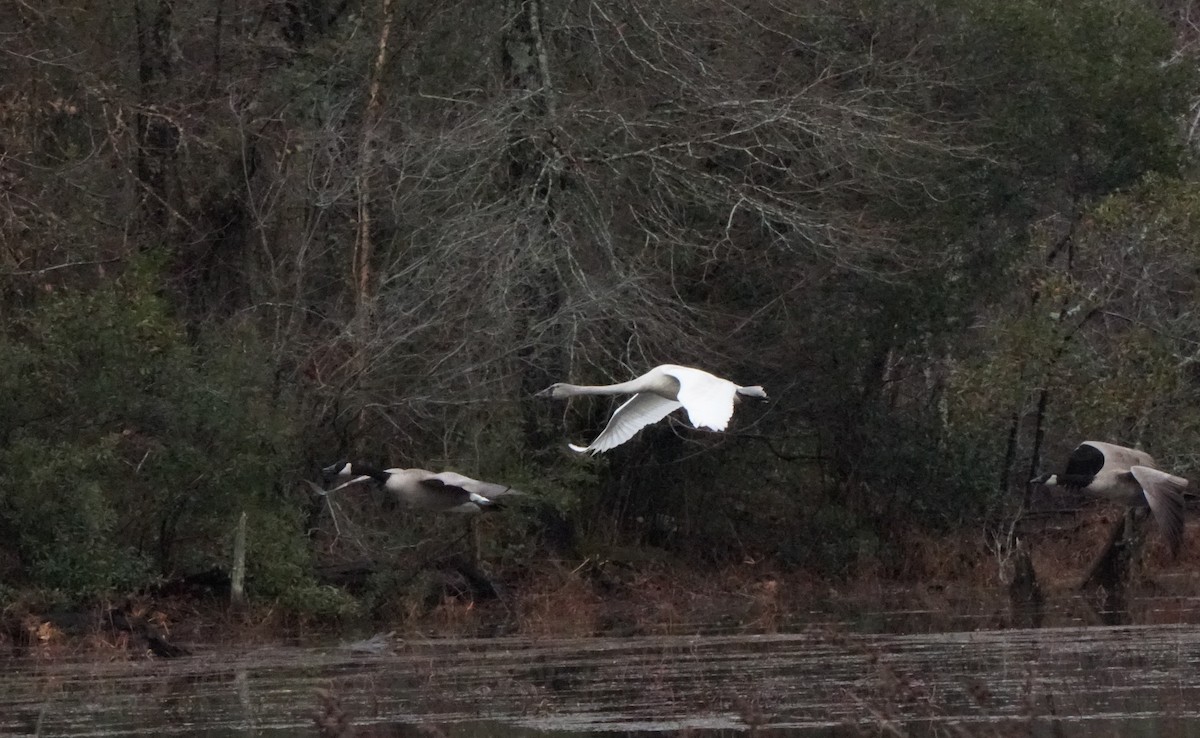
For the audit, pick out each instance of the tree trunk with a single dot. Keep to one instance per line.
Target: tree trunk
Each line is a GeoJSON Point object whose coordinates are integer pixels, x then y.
{"type": "Point", "coordinates": [1024, 592]}
{"type": "Point", "coordinates": [362, 277]}
{"type": "Point", "coordinates": [363, 245]}
{"type": "Point", "coordinates": [157, 137]}
{"type": "Point", "coordinates": [1110, 570]}
{"type": "Point", "coordinates": [535, 174]}
{"type": "Point", "coordinates": [1039, 437]}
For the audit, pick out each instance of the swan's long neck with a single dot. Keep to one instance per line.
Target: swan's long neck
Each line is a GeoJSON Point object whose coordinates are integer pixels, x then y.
{"type": "Point", "coordinates": [623, 388]}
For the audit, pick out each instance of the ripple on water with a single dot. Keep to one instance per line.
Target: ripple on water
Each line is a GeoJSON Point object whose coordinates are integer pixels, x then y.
{"type": "Point", "coordinates": [822, 681]}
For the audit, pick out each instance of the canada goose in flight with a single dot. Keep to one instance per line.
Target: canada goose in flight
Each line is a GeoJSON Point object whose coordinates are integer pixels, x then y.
{"type": "Point", "coordinates": [1125, 475]}
{"type": "Point", "coordinates": [708, 400]}
{"type": "Point", "coordinates": [424, 490]}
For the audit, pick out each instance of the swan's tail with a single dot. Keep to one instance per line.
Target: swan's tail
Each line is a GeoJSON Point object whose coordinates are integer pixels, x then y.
{"type": "Point", "coordinates": [754, 391]}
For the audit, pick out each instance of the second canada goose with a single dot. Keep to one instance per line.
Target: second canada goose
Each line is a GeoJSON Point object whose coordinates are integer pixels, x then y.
{"type": "Point", "coordinates": [1129, 476]}
{"type": "Point", "coordinates": [424, 490]}
{"type": "Point", "coordinates": [707, 398]}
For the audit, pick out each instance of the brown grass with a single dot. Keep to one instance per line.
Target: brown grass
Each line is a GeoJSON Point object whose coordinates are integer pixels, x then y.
{"type": "Point", "coordinates": [660, 598]}
{"type": "Point", "coordinates": [955, 575]}
{"type": "Point", "coordinates": [559, 603]}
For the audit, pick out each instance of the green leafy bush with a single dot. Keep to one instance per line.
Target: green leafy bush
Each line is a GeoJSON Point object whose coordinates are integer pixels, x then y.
{"type": "Point", "coordinates": [127, 452]}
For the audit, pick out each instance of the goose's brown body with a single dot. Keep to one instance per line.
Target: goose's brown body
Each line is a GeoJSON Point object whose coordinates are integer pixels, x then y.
{"type": "Point", "coordinates": [1128, 476]}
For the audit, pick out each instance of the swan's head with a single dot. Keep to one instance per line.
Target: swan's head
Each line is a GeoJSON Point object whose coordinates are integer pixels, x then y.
{"type": "Point", "coordinates": [556, 391]}
{"type": "Point", "coordinates": [1046, 480]}
{"type": "Point", "coordinates": [339, 471]}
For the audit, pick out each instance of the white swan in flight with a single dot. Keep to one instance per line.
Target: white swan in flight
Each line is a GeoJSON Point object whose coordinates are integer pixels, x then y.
{"type": "Point", "coordinates": [708, 400]}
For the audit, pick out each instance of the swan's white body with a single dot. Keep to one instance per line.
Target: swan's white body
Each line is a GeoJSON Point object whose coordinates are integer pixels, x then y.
{"type": "Point", "coordinates": [424, 490]}
{"type": "Point", "coordinates": [707, 399]}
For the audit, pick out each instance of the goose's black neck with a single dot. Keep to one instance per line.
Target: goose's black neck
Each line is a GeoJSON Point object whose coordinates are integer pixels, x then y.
{"type": "Point", "coordinates": [1083, 465]}
{"type": "Point", "coordinates": [373, 472]}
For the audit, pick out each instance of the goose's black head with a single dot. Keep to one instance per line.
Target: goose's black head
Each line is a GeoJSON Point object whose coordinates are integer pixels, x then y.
{"type": "Point", "coordinates": [1084, 463]}
{"type": "Point", "coordinates": [344, 471]}
{"type": "Point", "coordinates": [339, 471]}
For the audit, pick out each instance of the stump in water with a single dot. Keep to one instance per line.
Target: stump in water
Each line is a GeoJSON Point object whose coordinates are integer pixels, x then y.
{"type": "Point", "coordinates": [1109, 573]}
{"type": "Point", "coordinates": [1024, 595]}
{"type": "Point", "coordinates": [330, 717]}
{"type": "Point", "coordinates": [237, 591]}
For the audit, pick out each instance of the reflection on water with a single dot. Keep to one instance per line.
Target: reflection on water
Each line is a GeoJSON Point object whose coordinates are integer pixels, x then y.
{"type": "Point", "coordinates": [825, 681]}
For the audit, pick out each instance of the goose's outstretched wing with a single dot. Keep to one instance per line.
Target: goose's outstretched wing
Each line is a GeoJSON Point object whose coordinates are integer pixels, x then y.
{"type": "Point", "coordinates": [638, 412]}
{"type": "Point", "coordinates": [1121, 456]}
{"type": "Point", "coordinates": [1164, 493]}
{"type": "Point", "coordinates": [453, 481]}
{"type": "Point", "coordinates": [322, 491]}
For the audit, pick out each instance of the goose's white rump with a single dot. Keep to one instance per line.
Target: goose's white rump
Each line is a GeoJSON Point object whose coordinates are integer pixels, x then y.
{"type": "Point", "coordinates": [707, 399]}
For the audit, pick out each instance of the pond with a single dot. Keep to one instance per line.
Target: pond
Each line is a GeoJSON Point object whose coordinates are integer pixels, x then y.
{"type": "Point", "coordinates": [823, 680]}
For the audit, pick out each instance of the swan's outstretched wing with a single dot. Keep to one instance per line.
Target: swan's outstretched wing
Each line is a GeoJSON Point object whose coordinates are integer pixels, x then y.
{"type": "Point", "coordinates": [1164, 492]}
{"type": "Point", "coordinates": [638, 412]}
{"type": "Point", "coordinates": [707, 398]}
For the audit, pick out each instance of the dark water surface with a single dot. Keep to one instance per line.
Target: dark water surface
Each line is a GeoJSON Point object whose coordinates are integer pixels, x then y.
{"type": "Point", "coordinates": [823, 681]}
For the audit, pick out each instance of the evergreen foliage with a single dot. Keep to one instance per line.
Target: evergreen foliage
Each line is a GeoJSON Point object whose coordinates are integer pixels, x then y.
{"type": "Point", "coordinates": [238, 244]}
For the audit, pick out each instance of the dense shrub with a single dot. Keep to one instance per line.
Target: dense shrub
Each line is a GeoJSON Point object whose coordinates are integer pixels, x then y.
{"type": "Point", "coordinates": [128, 451]}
